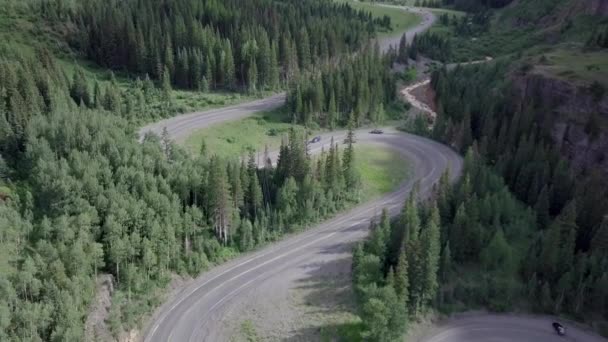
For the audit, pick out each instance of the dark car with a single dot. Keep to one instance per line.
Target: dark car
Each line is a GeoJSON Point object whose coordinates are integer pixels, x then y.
{"type": "Point", "coordinates": [561, 331]}
{"type": "Point", "coordinates": [376, 131]}
{"type": "Point", "coordinates": [315, 139]}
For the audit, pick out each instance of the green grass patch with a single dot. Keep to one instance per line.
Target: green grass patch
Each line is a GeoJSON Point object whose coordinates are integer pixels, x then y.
{"type": "Point", "coordinates": [237, 138]}
{"type": "Point", "coordinates": [190, 101]}
{"type": "Point", "coordinates": [575, 65]}
{"type": "Point", "coordinates": [248, 332]}
{"type": "Point", "coordinates": [382, 170]}
{"type": "Point", "coordinates": [400, 20]}
{"type": "Point", "coordinates": [349, 331]}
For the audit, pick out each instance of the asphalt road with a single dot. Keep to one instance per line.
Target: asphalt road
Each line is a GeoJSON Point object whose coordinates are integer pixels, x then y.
{"type": "Point", "coordinates": [180, 127]}
{"type": "Point", "coordinates": [427, 20]}
{"type": "Point", "coordinates": [199, 311]}
{"type": "Point", "coordinates": [503, 328]}
{"type": "Point", "coordinates": [196, 313]}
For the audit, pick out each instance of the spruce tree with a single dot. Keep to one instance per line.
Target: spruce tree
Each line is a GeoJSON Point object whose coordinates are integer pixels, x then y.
{"type": "Point", "coordinates": [80, 89]}
{"type": "Point", "coordinates": [348, 160]}
{"type": "Point", "coordinates": [401, 278]}
{"type": "Point", "coordinates": [166, 85]}
{"type": "Point", "coordinates": [220, 209]}
{"type": "Point", "coordinates": [429, 239]}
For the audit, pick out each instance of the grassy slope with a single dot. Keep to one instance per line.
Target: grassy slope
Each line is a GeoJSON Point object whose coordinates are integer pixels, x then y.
{"type": "Point", "coordinates": [573, 65]}
{"type": "Point", "coordinates": [556, 29]}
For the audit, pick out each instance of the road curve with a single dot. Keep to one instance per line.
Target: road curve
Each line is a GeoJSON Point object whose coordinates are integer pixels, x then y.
{"type": "Point", "coordinates": [197, 312]}
{"type": "Point", "coordinates": [427, 17]}
{"type": "Point", "coordinates": [200, 310]}
{"type": "Point", "coordinates": [180, 127]}
{"type": "Point", "coordinates": [494, 327]}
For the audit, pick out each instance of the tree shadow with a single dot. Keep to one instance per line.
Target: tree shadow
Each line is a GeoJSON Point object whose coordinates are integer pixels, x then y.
{"type": "Point", "coordinates": [327, 298]}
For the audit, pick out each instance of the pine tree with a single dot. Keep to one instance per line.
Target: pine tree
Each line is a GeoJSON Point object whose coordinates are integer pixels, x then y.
{"type": "Point", "coordinates": [246, 236]}
{"type": "Point", "coordinates": [446, 263]}
{"type": "Point", "coordinates": [79, 90]}
{"type": "Point", "coordinates": [332, 111]}
{"type": "Point", "coordinates": [429, 239]}
{"type": "Point", "coordinates": [599, 243]}
{"type": "Point", "coordinates": [167, 143]}
{"type": "Point", "coordinates": [303, 47]}
{"type": "Point", "coordinates": [543, 216]}
{"type": "Point", "coordinates": [220, 209]}
{"type": "Point", "coordinates": [6, 132]}
{"type": "Point", "coordinates": [410, 221]}
{"type": "Point", "coordinates": [402, 55]}
{"type": "Point", "coordinates": [264, 61]}
{"type": "Point", "coordinates": [254, 195]}
{"type": "Point", "coordinates": [166, 85]}
{"type": "Point", "coordinates": [98, 97]}
{"type": "Point", "coordinates": [229, 68]}
{"type": "Point", "coordinates": [252, 77]}
{"type": "Point", "coordinates": [402, 279]}
{"type": "Point", "coordinates": [273, 69]}
{"type": "Point", "coordinates": [351, 177]}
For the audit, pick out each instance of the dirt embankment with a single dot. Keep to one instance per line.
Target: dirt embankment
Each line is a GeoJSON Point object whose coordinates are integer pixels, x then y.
{"type": "Point", "coordinates": [421, 94]}
{"type": "Point", "coordinates": [422, 97]}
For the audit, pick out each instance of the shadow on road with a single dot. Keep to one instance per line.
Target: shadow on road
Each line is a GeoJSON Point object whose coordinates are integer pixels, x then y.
{"type": "Point", "coordinates": [327, 299]}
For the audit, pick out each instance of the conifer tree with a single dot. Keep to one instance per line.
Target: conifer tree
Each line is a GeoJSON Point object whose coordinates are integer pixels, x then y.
{"type": "Point", "coordinates": [429, 239]}
{"type": "Point", "coordinates": [98, 98]}
{"type": "Point", "coordinates": [402, 279]}
{"type": "Point", "coordinates": [80, 89]}
{"type": "Point", "coordinates": [348, 161]}
{"type": "Point", "coordinates": [220, 209]}
{"type": "Point", "coordinates": [166, 85]}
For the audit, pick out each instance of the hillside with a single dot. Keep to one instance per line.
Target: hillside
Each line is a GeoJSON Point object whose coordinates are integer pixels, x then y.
{"type": "Point", "coordinates": [538, 114]}
{"type": "Point", "coordinates": [82, 200]}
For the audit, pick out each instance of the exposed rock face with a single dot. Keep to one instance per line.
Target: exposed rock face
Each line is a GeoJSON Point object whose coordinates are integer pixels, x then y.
{"type": "Point", "coordinates": [597, 7]}
{"type": "Point", "coordinates": [572, 106]}
{"type": "Point", "coordinates": [95, 325]}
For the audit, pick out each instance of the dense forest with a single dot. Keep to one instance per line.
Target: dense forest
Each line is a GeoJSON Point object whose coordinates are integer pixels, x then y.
{"type": "Point", "coordinates": [474, 245]}
{"type": "Point", "coordinates": [80, 196]}
{"type": "Point", "coordinates": [522, 229]}
{"type": "Point", "coordinates": [569, 205]}
{"type": "Point", "coordinates": [91, 199]}
{"type": "Point", "coordinates": [231, 45]}
{"type": "Point", "coordinates": [464, 5]}
{"type": "Point", "coordinates": [357, 90]}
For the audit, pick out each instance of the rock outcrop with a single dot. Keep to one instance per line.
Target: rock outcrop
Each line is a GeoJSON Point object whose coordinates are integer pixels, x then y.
{"type": "Point", "coordinates": [95, 325]}
{"type": "Point", "coordinates": [596, 7]}
{"type": "Point", "coordinates": [579, 118]}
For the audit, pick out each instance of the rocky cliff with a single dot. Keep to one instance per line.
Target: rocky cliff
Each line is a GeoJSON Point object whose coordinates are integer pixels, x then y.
{"type": "Point", "coordinates": [579, 117]}
{"type": "Point", "coordinates": [596, 7]}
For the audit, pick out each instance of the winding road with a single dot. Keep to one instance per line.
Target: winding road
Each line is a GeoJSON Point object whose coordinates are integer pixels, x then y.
{"type": "Point", "coordinates": [208, 307]}
{"type": "Point", "coordinates": [197, 313]}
